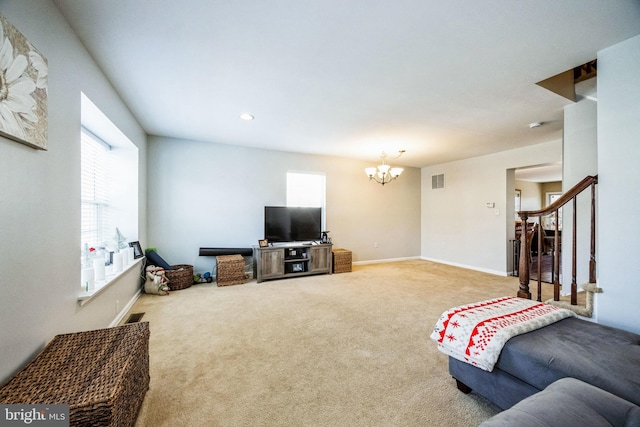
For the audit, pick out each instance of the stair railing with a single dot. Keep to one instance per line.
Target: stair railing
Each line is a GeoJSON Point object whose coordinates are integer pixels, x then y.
{"type": "Point", "coordinates": [525, 243]}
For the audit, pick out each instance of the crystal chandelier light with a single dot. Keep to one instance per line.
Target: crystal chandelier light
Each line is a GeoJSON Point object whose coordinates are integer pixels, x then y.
{"type": "Point", "coordinates": [384, 173]}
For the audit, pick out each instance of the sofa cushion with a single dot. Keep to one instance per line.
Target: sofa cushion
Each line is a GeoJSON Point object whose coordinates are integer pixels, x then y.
{"type": "Point", "coordinates": [605, 357]}
{"type": "Point", "coordinates": [633, 417]}
{"type": "Point", "coordinates": [567, 402]}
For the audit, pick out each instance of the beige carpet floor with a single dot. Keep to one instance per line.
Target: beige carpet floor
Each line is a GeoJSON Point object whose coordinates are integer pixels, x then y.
{"type": "Point", "coordinates": [348, 349]}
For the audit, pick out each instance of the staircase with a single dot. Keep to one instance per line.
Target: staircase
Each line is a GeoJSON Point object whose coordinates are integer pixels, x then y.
{"type": "Point", "coordinates": [591, 287]}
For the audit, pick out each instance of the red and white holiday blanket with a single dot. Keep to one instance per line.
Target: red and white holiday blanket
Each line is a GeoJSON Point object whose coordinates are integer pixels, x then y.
{"type": "Point", "coordinates": [475, 333]}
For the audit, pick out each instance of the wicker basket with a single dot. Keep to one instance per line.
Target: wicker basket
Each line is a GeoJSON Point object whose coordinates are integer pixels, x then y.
{"type": "Point", "coordinates": [181, 277]}
{"type": "Point", "coordinates": [229, 270]}
{"type": "Point", "coordinates": [103, 375]}
{"type": "Point", "coordinates": [341, 260]}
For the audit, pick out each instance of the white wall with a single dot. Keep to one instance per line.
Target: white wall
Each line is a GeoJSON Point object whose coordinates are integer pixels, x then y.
{"type": "Point", "coordinates": [619, 180]}
{"type": "Point", "coordinates": [40, 199]}
{"type": "Point", "coordinates": [580, 144]}
{"type": "Point", "coordinates": [457, 227]}
{"type": "Point", "coordinates": [531, 195]}
{"type": "Point", "coordinates": [213, 195]}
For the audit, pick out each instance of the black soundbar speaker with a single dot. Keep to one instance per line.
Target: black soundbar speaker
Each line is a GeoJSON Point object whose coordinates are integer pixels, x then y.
{"type": "Point", "coordinates": [225, 251]}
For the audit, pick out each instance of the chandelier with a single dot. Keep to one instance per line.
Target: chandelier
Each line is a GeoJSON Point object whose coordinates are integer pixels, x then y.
{"type": "Point", "coordinates": [384, 173]}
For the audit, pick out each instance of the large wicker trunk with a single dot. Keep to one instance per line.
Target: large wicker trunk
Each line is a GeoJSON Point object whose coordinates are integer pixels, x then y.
{"type": "Point", "coordinates": [102, 375]}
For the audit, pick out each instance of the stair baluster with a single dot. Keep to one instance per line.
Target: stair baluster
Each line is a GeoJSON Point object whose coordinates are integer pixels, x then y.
{"type": "Point", "coordinates": [525, 245]}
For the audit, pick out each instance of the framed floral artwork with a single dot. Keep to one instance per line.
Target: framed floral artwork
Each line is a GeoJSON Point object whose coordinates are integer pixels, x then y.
{"type": "Point", "coordinates": [23, 89]}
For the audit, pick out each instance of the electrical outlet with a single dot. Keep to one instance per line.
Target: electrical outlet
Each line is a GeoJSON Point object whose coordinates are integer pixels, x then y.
{"type": "Point", "coordinates": [375, 244]}
{"type": "Point", "coordinates": [496, 212]}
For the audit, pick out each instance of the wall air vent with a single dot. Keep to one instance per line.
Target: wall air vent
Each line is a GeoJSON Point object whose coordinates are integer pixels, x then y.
{"type": "Point", "coordinates": [437, 181]}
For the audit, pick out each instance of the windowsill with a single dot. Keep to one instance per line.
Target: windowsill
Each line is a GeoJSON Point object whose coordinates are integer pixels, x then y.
{"type": "Point", "coordinates": [101, 286]}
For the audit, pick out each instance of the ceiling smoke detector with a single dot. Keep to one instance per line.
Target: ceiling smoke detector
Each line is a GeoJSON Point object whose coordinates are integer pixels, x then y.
{"type": "Point", "coordinates": [535, 125]}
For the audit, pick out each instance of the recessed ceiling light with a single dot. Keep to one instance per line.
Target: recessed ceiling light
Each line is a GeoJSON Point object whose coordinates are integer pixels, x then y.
{"type": "Point", "coordinates": [246, 116]}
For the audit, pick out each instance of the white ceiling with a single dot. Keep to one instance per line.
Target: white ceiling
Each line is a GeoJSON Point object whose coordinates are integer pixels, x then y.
{"type": "Point", "coordinates": [444, 80]}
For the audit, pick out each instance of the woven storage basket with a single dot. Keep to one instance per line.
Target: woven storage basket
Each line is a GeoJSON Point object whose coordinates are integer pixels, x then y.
{"type": "Point", "coordinates": [341, 260]}
{"type": "Point", "coordinates": [181, 277]}
{"type": "Point", "coordinates": [229, 270]}
{"type": "Point", "coordinates": [101, 374]}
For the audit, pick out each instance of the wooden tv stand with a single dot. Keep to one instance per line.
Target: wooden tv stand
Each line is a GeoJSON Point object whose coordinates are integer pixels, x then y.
{"type": "Point", "coordinates": [283, 260]}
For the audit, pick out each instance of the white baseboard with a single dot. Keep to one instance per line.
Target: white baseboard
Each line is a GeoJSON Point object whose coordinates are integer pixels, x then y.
{"type": "Point", "coordinates": [378, 261]}
{"type": "Point", "coordinates": [126, 309]}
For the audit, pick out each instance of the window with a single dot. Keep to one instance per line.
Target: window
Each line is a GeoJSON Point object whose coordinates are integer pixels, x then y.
{"type": "Point", "coordinates": [95, 155]}
{"type": "Point", "coordinates": [108, 188]}
{"type": "Point", "coordinates": [305, 189]}
{"type": "Point", "coordinates": [549, 222]}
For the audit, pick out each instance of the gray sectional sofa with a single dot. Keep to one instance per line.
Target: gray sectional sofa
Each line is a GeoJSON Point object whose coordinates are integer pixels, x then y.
{"type": "Point", "coordinates": [569, 402]}
{"type": "Point", "coordinates": [604, 357]}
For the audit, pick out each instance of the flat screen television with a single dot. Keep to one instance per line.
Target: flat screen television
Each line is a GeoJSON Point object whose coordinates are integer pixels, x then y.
{"type": "Point", "coordinates": [287, 224]}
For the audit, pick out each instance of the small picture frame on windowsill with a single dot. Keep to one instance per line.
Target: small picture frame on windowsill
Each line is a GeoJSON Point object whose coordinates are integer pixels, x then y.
{"type": "Point", "coordinates": [263, 243]}
{"type": "Point", "coordinates": [137, 250]}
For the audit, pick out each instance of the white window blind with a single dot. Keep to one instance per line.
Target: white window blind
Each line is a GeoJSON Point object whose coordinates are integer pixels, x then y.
{"type": "Point", "coordinates": [305, 189]}
{"type": "Point", "coordinates": [95, 166]}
